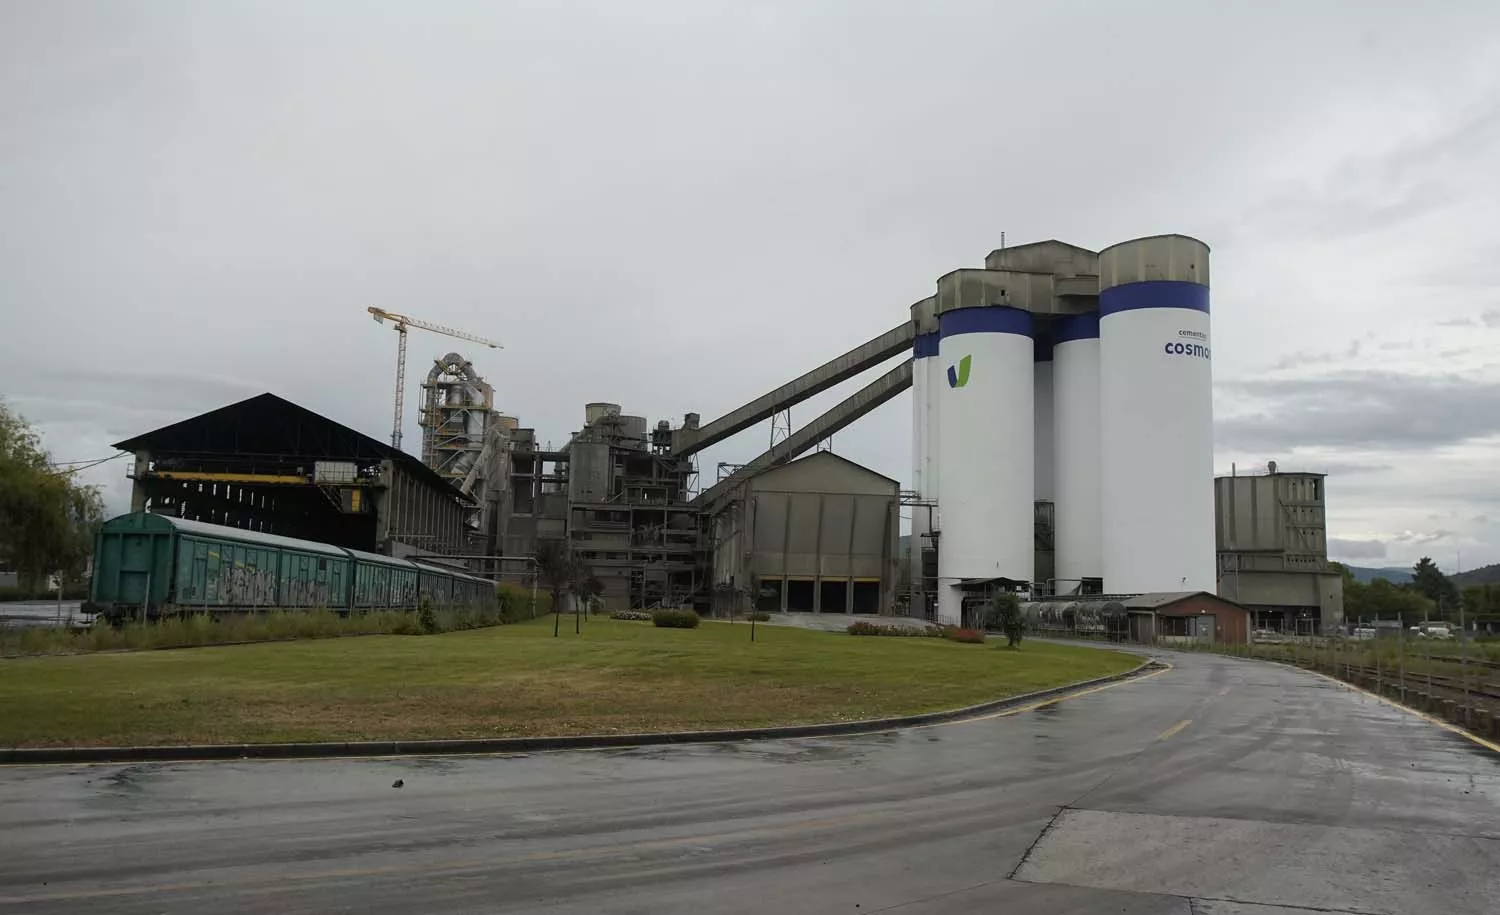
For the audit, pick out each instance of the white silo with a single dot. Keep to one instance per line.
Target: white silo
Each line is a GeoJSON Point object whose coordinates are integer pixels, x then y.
{"type": "Point", "coordinates": [936, 381]}
{"type": "Point", "coordinates": [986, 427]}
{"type": "Point", "coordinates": [1156, 416]}
{"type": "Point", "coordinates": [924, 354]}
{"type": "Point", "coordinates": [1044, 437]}
{"type": "Point", "coordinates": [1075, 398]}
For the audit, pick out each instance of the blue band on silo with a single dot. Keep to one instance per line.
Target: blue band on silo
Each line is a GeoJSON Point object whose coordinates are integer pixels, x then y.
{"type": "Point", "coordinates": [925, 345]}
{"type": "Point", "coordinates": [1153, 294]}
{"type": "Point", "coordinates": [1078, 327]}
{"type": "Point", "coordinates": [989, 319]}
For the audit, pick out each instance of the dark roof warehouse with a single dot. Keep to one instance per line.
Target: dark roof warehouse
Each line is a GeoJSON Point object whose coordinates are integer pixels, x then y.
{"type": "Point", "coordinates": [269, 465]}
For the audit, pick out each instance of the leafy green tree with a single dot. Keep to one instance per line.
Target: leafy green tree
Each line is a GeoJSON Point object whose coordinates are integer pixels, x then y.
{"type": "Point", "coordinates": [1429, 581]}
{"type": "Point", "coordinates": [554, 562]}
{"type": "Point", "coordinates": [585, 588]}
{"type": "Point", "coordinates": [1005, 615]}
{"type": "Point", "coordinates": [1481, 599]}
{"type": "Point", "coordinates": [1382, 600]}
{"type": "Point", "coordinates": [47, 519]}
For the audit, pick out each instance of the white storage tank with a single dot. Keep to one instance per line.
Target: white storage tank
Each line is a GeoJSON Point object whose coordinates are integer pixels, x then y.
{"type": "Point", "coordinates": [1042, 374]}
{"type": "Point", "coordinates": [986, 452]}
{"type": "Point", "coordinates": [1075, 398]}
{"type": "Point", "coordinates": [1156, 416]}
{"type": "Point", "coordinates": [932, 478]}
{"type": "Point", "coordinates": [924, 354]}
{"type": "Point", "coordinates": [594, 412]}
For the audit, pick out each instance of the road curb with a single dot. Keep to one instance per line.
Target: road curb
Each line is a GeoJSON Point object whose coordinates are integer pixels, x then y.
{"type": "Point", "coordinates": [490, 745]}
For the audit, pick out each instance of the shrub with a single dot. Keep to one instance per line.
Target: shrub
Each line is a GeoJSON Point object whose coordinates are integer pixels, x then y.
{"type": "Point", "coordinates": [515, 602]}
{"type": "Point", "coordinates": [1005, 615]}
{"type": "Point", "coordinates": [760, 616]}
{"type": "Point", "coordinates": [638, 615]}
{"type": "Point", "coordinates": [863, 628]}
{"type": "Point", "coordinates": [967, 636]}
{"type": "Point", "coordinates": [675, 619]}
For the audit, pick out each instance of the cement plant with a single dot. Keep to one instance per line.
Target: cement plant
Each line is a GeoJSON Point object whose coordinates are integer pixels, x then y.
{"type": "Point", "coordinates": [1062, 450]}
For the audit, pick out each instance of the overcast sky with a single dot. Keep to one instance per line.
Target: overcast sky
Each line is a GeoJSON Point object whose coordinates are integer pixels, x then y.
{"type": "Point", "coordinates": [676, 206]}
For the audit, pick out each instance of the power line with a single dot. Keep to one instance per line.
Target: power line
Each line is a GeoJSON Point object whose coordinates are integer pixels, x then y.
{"type": "Point", "coordinates": [75, 466]}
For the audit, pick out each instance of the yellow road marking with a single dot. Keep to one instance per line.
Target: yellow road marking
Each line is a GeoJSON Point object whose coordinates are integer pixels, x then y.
{"type": "Point", "coordinates": [1431, 719]}
{"type": "Point", "coordinates": [1174, 729]}
{"type": "Point", "coordinates": [1006, 713]}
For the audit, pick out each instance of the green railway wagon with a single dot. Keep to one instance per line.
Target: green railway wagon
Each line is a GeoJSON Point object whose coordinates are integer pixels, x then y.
{"type": "Point", "coordinates": [381, 582]}
{"type": "Point", "coordinates": [155, 561]}
{"type": "Point", "coordinates": [147, 563]}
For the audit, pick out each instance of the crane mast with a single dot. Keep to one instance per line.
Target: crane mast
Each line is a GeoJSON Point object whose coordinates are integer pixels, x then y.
{"type": "Point", "coordinates": [400, 323]}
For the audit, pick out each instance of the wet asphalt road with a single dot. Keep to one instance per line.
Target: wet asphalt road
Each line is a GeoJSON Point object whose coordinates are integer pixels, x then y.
{"type": "Point", "coordinates": [1221, 787]}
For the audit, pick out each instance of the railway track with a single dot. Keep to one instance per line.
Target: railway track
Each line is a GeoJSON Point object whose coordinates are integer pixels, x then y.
{"type": "Point", "coordinates": [1481, 688]}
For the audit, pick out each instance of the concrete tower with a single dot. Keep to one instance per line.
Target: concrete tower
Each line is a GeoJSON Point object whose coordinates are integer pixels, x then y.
{"type": "Point", "coordinates": [986, 453]}
{"type": "Point", "coordinates": [1156, 416]}
{"type": "Point", "coordinates": [924, 446]}
{"type": "Point", "coordinates": [1075, 393]}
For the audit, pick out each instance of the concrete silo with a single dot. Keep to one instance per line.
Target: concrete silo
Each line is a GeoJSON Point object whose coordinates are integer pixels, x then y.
{"type": "Point", "coordinates": [985, 455]}
{"type": "Point", "coordinates": [924, 354]}
{"type": "Point", "coordinates": [1044, 436]}
{"type": "Point", "coordinates": [1075, 396]}
{"type": "Point", "coordinates": [1156, 416]}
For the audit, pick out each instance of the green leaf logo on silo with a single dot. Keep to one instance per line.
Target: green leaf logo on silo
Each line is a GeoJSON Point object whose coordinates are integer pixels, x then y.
{"type": "Point", "coordinates": [958, 375]}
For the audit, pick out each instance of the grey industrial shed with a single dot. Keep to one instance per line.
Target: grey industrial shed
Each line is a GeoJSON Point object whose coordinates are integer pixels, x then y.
{"type": "Point", "coordinates": [817, 534]}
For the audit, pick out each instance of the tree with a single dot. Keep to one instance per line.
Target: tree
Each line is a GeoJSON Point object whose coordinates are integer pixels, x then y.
{"type": "Point", "coordinates": [1429, 581]}
{"type": "Point", "coordinates": [47, 519]}
{"type": "Point", "coordinates": [1005, 615]}
{"type": "Point", "coordinates": [585, 587]}
{"type": "Point", "coordinates": [554, 563]}
{"type": "Point", "coordinates": [1382, 600]}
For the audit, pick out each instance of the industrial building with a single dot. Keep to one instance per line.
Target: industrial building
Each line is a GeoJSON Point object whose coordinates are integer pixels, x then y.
{"type": "Point", "coordinates": [1063, 424]}
{"type": "Point", "coordinates": [1061, 449]}
{"type": "Point", "coordinates": [268, 465]}
{"type": "Point", "coordinates": [1062, 446]}
{"type": "Point", "coordinates": [1272, 539]}
{"type": "Point", "coordinates": [619, 499]}
{"type": "Point", "coordinates": [817, 534]}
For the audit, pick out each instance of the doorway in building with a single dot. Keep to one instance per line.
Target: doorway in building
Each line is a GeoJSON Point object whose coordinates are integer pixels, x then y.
{"type": "Point", "coordinates": [866, 596]}
{"type": "Point", "coordinates": [799, 595]}
{"type": "Point", "coordinates": [768, 596]}
{"type": "Point", "coordinates": [833, 596]}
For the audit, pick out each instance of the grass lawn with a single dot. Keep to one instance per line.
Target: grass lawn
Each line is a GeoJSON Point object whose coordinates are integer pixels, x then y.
{"type": "Point", "coordinates": [514, 681]}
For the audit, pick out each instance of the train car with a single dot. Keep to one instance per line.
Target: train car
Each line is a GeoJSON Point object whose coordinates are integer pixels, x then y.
{"type": "Point", "coordinates": [473, 591]}
{"type": "Point", "coordinates": [434, 583]}
{"type": "Point", "coordinates": [158, 563]}
{"type": "Point", "coordinates": [158, 560]}
{"type": "Point", "coordinates": [382, 582]}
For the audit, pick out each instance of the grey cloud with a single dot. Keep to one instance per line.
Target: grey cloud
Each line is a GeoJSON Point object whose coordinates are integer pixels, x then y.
{"type": "Point", "coordinates": [1360, 409]}
{"type": "Point", "coordinates": [1420, 538]}
{"type": "Point", "coordinates": [1343, 468]}
{"type": "Point", "coordinates": [67, 391]}
{"type": "Point", "coordinates": [1371, 192]}
{"type": "Point", "coordinates": [1355, 549]}
{"type": "Point", "coordinates": [1458, 322]}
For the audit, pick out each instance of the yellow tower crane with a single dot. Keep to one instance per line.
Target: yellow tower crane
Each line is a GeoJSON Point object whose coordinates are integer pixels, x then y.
{"type": "Point", "coordinates": [400, 323]}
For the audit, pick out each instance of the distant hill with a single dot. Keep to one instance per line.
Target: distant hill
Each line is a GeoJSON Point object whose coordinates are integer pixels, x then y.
{"type": "Point", "coordinates": [1396, 575]}
{"type": "Point", "coordinates": [1484, 575]}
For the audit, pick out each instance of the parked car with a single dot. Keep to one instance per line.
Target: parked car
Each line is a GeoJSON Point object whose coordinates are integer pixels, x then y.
{"type": "Point", "coordinates": [1432, 632]}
